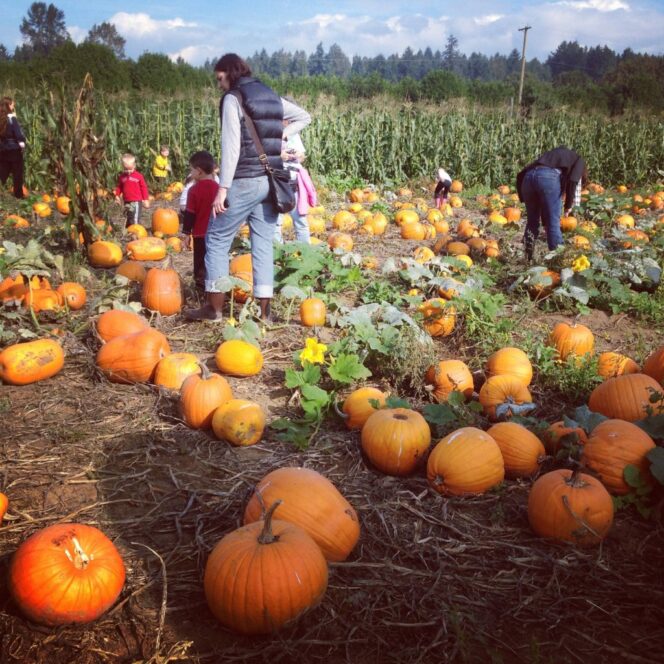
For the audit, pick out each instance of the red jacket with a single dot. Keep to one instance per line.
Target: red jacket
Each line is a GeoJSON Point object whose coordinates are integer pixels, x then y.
{"type": "Point", "coordinates": [199, 205]}
{"type": "Point", "coordinates": [132, 187]}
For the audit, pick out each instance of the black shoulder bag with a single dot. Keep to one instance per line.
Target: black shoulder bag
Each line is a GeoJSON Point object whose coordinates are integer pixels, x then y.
{"type": "Point", "coordinates": [281, 189]}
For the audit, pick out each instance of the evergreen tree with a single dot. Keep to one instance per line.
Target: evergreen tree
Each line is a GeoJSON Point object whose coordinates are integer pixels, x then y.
{"type": "Point", "coordinates": [298, 65]}
{"type": "Point", "coordinates": [43, 28]}
{"type": "Point", "coordinates": [450, 56]}
{"type": "Point", "coordinates": [106, 34]}
{"type": "Point", "coordinates": [567, 57]}
{"type": "Point", "coordinates": [338, 63]}
{"type": "Point", "coordinates": [4, 54]}
{"type": "Point", "coordinates": [316, 63]}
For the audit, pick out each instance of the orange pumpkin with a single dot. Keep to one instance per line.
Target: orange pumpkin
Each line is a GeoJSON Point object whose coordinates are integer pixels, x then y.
{"type": "Point", "coordinates": [118, 323]}
{"type": "Point", "coordinates": [238, 358]}
{"type": "Point", "coordinates": [103, 253]}
{"type": "Point", "coordinates": [557, 432]}
{"type": "Point", "coordinates": [450, 376]}
{"type": "Point", "coordinates": [570, 506]}
{"type": "Point", "coordinates": [172, 370]}
{"type": "Point", "coordinates": [357, 406]}
{"type": "Point", "coordinates": [238, 421]}
{"type": "Point", "coordinates": [43, 299]}
{"type": "Point", "coordinates": [466, 462]}
{"type": "Point", "coordinates": [395, 440]}
{"type": "Point", "coordinates": [201, 395]}
{"type": "Point", "coordinates": [654, 365]}
{"type": "Point", "coordinates": [505, 396]}
{"type": "Point", "coordinates": [146, 249]}
{"type": "Point", "coordinates": [73, 294]}
{"type": "Point", "coordinates": [625, 397]}
{"type": "Point", "coordinates": [439, 317]}
{"type": "Point", "coordinates": [312, 312]}
{"type": "Point", "coordinates": [340, 241]}
{"type": "Point", "coordinates": [31, 361]}
{"type": "Point", "coordinates": [166, 221]}
{"type": "Point", "coordinates": [264, 575]}
{"type": "Point", "coordinates": [63, 204]}
{"type": "Point", "coordinates": [611, 447]}
{"type": "Point", "coordinates": [4, 502]}
{"type": "Point", "coordinates": [523, 452]}
{"type": "Point", "coordinates": [133, 358]}
{"type": "Point", "coordinates": [66, 573]}
{"type": "Point", "coordinates": [311, 501]}
{"type": "Point", "coordinates": [568, 224]}
{"type": "Point", "coordinates": [133, 271]}
{"type": "Point", "coordinates": [614, 364]}
{"type": "Point", "coordinates": [161, 291]}
{"type": "Point", "coordinates": [544, 283]}
{"type": "Point", "coordinates": [138, 231]}
{"type": "Point", "coordinates": [574, 339]}
{"type": "Point", "coordinates": [510, 361]}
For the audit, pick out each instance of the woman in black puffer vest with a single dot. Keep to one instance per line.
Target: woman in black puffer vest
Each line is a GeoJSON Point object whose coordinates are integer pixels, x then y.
{"type": "Point", "coordinates": [12, 144]}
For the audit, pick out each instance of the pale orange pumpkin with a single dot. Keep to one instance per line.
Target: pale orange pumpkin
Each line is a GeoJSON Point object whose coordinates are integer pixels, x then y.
{"type": "Point", "coordinates": [465, 462]}
{"type": "Point", "coordinates": [505, 396]}
{"type": "Point", "coordinates": [132, 270]}
{"type": "Point", "coordinates": [312, 312]}
{"type": "Point", "coordinates": [612, 364]}
{"type": "Point", "coordinates": [146, 249]}
{"type": "Point", "coordinates": [172, 370]}
{"type": "Point", "coordinates": [450, 376]}
{"type": "Point", "coordinates": [239, 421]}
{"type": "Point", "coordinates": [31, 361]}
{"type": "Point", "coordinates": [103, 253]}
{"type": "Point", "coordinates": [439, 317]}
{"type": "Point", "coordinates": [511, 362]}
{"type": "Point", "coordinates": [311, 501]}
{"type": "Point", "coordinates": [236, 357]}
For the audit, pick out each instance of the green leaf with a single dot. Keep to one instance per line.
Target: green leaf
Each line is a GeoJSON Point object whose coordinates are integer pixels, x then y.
{"type": "Point", "coordinates": [633, 476]}
{"type": "Point", "coordinates": [656, 458]}
{"type": "Point", "coordinates": [396, 402]}
{"type": "Point", "coordinates": [653, 426]}
{"type": "Point", "coordinates": [310, 375]}
{"type": "Point", "coordinates": [347, 369]}
{"type": "Point", "coordinates": [314, 400]}
{"type": "Point", "coordinates": [586, 419]}
{"type": "Point", "coordinates": [439, 414]}
{"type": "Point", "coordinates": [296, 432]}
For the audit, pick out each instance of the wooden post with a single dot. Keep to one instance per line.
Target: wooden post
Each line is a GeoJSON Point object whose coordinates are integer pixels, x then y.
{"type": "Point", "coordinates": [523, 63]}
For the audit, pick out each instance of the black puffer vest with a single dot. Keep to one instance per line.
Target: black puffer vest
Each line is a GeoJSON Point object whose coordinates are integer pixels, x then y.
{"type": "Point", "coordinates": [266, 110]}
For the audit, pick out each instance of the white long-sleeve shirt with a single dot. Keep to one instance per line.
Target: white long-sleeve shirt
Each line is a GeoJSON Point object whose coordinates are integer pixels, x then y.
{"type": "Point", "coordinates": [231, 129]}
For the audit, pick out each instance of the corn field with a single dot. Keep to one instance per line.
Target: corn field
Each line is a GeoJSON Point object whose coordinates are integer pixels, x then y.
{"type": "Point", "coordinates": [374, 142]}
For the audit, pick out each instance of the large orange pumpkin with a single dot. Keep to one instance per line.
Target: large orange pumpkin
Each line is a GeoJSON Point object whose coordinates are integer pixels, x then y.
{"type": "Point", "coordinates": [523, 452]}
{"type": "Point", "coordinates": [161, 291]}
{"type": "Point", "coordinates": [357, 406]}
{"type": "Point", "coordinates": [625, 397]}
{"type": "Point", "coordinates": [466, 462]}
{"type": "Point", "coordinates": [166, 221]}
{"type": "Point", "coordinates": [118, 323]}
{"type": "Point", "coordinates": [66, 573]}
{"type": "Point", "coordinates": [611, 447]}
{"type": "Point", "coordinates": [312, 502]}
{"type": "Point", "coordinates": [146, 249]}
{"type": "Point", "coordinates": [395, 440]}
{"type": "Point", "coordinates": [201, 395]}
{"type": "Point", "coordinates": [103, 253]}
{"type": "Point", "coordinates": [654, 365]}
{"type": "Point", "coordinates": [134, 357]}
{"type": "Point", "coordinates": [574, 339]}
{"type": "Point", "coordinates": [570, 506]}
{"type": "Point", "coordinates": [450, 376]}
{"type": "Point", "coordinates": [439, 317]}
{"type": "Point", "coordinates": [31, 361]}
{"type": "Point", "coordinates": [262, 576]}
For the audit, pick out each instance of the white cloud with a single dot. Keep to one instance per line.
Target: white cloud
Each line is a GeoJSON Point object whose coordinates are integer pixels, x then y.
{"type": "Point", "coordinates": [597, 5]}
{"type": "Point", "coordinates": [141, 24]}
{"type": "Point", "coordinates": [195, 54]}
{"type": "Point", "coordinates": [323, 21]}
{"type": "Point", "coordinates": [77, 34]}
{"type": "Point", "coordinates": [488, 20]}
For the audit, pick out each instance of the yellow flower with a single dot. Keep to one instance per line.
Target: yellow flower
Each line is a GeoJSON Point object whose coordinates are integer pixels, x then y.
{"type": "Point", "coordinates": [313, 352]}
{"type": "Point", "coordinates": [580, 264]}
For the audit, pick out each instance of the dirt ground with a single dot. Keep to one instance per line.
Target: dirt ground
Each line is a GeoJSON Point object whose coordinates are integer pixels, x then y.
{"type": "Point", "coordinates": [431, 580]}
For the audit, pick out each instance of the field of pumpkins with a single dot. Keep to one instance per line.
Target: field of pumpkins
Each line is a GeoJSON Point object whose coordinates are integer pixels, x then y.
{"type": "Point", "coordinates": [435, 451]}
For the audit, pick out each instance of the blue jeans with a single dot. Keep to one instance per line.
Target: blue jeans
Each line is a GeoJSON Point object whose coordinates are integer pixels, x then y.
{"type": "Point", "coordinates": [248, 200]}
{"type": "Point", "coordinates": [299, 223]}
{"type": "Point", "coordinates": [542, 194]}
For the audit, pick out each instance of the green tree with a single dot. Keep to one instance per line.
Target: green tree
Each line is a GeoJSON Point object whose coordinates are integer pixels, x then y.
{"type": "Point", "coordinates": [106, 34]}
{"type": "Point", "coordinates": [43, 28]}
{"type": "Point", "coordinates": [4, 54]}
{"type": "Point", "coordinates": [338, 63]}
{"type": "Point", "coordinates": [451, 55]}
{"type": "Point", "coordinates": [567, 57]}
{"type": "Point", "coordinates": [316, 63]}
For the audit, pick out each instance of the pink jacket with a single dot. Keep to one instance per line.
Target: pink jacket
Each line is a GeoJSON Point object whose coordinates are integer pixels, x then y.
{"type": "Point", "coordinates": [306, 192]}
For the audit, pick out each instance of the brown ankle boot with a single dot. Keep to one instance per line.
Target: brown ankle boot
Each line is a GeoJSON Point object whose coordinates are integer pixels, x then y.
{"type": "Point", "coordinates": [211, 310]}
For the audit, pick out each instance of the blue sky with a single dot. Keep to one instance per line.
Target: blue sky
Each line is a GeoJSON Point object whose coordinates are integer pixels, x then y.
{"type": "Point", "coordinates": [201, 29]}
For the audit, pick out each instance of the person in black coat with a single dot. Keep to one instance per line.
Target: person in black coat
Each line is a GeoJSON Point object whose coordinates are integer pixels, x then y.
{"type": "Point", "coordinates": [12, 144]}
{"type": "Point", "coordinates": [553, 178]}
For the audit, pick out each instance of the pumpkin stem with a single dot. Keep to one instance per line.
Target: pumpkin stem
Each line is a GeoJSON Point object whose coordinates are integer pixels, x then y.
{"type": "Point", "coordinates": [205, 372]}
{"type": "Point", "coordinates": [339, 412]}
{"type": "Point", "coordinates": [266, 536]}
{"type": "Point", "coordinates": [80, 559]}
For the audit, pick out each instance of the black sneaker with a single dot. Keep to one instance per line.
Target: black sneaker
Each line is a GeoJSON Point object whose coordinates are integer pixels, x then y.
{"type": "Point", "coordinates": [206, 312]}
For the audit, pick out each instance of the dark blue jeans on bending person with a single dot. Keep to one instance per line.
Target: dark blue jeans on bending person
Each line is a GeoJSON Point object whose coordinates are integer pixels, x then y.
{"type": "Point", "coordinates": [542, 194]}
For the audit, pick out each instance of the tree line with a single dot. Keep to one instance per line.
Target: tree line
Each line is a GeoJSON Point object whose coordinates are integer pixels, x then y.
{"type": "Point", "coordinates": [585, 78]}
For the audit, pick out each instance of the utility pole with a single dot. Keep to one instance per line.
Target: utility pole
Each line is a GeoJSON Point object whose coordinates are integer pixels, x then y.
{"type": "Point", "coordinates": [523, 63]}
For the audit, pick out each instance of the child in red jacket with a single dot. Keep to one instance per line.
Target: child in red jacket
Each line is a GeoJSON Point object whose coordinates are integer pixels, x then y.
{"type": "Point", "coordinates": [198, 210]}
{"type": "Point", "coordinates": [131, 190]}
